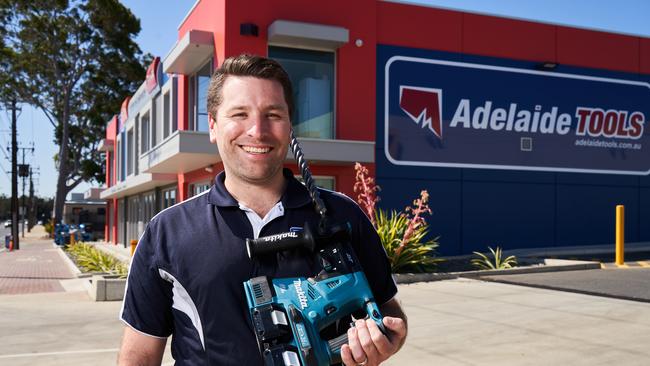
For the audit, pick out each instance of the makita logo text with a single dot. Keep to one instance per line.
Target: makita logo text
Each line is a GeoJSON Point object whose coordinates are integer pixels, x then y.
{"type": "Point", "coordinates": [592, 121]}
{"type": "Point", "coordinates": [302, 298]}
{"type": "Point", "coordinates": [277, 237]}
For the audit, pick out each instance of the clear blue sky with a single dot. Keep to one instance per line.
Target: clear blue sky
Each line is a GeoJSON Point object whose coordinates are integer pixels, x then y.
{"type": "Point", "coordinates": [160, 19]}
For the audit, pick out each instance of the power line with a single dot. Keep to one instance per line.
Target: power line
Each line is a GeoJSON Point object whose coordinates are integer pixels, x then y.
{"type": "Point", "coordinates": [4, 152]}
{"type": "Point", "coordinates": [7, 174]}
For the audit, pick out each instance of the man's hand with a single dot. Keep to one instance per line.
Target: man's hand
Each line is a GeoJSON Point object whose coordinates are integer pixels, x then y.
{"type": "Point", "coordinates": [367, 345]}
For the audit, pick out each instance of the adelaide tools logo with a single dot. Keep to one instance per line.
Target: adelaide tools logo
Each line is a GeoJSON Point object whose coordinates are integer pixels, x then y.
{"type": "Point", "coordinates": [424, 106]}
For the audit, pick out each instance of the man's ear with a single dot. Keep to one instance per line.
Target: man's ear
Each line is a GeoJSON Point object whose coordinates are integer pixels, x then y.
{"type": "Point", "coordinates": [212, 124]}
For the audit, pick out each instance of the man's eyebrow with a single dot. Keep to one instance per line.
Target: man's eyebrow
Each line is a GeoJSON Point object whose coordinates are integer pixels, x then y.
{"type": "Point", "coordinates": [237, 108]}
{"type": "Point", "coordinates": [277, 106]}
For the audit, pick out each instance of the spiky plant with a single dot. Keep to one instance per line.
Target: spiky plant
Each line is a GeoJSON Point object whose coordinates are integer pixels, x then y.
{"type": "Point", "coordinates": [402, 233]}
{"type": "Point", "coordinates": [406, 254]}
{"type": "Point", "coordinates": [495, 261]}
{"type": "Point", "coordinates": [90, 259]}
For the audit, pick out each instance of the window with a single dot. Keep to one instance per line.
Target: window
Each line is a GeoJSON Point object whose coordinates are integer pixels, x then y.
{"type": "Point", "coordinates": [155, 117]}
{"type": "Point", "coordinates": [196, 188]}
{"type": "Point", "coordinates": [110, 179]}
{"type": "Point", "coordinates": [144, 133]}
{"type": "Point", "coordinates": [119, 155]}
{"type": "Point", "coordinates": [136, 146]}
{"type": "Point", "coordinates": [166, 115]}
{"type": "Point", "coordinates": [166, 118]}
{"type": "Point", "coordinates": [149, 202]}
{"type": "Point", "coordinates": [312, 76]}
{"type": "Point", "coordinates": [168, 197]}
{"type": "Point", "coordinates": [129, 152]}
{"type": "Point", "coordinates": [121, 161]}
{"type": "Point", "coordinates": [198, 87]}
{"type": "Point", "coordinates": [321, 182]}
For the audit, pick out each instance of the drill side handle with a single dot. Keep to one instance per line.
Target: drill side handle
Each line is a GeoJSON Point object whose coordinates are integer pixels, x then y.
{"type": "Point", "coordinates": [279, 242]}
{"type": "Point", "coordinates": [335, 345]}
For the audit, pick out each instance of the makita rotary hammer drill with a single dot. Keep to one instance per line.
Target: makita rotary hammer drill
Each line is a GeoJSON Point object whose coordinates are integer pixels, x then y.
{"type": "Point", "coordinates": [290, 314]}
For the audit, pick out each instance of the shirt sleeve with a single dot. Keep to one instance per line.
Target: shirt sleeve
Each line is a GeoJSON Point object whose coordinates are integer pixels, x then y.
{"type": "Point", "coordinates": [373, 258]}
{"type": "Point", "coordinates": [148, 297]}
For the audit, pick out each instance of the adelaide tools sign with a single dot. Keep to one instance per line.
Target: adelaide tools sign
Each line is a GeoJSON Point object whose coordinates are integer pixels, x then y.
{"type": "Point", "coordinates": [449, 113]}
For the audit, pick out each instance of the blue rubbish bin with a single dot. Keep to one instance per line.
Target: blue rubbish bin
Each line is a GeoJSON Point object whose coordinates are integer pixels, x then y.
{"type": "Point", "coordinates": [7, 241]}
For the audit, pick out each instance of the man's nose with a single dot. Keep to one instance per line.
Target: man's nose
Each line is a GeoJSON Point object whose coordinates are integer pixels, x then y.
{"type": "Point", "coordinates": [258, 125]}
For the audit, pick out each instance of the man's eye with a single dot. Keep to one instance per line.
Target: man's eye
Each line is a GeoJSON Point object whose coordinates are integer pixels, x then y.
{"type": "Point", "coordinates": [239, 115]}
{"type": "Point", "coordinates": [274, 116]}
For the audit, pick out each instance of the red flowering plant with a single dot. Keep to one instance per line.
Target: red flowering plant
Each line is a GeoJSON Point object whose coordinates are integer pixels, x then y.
{"type": "Point", "coordinates": [402, 233]}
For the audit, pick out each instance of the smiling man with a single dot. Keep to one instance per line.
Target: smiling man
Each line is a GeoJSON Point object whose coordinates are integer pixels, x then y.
{"type": "Point", "coordinates": [187, 272]}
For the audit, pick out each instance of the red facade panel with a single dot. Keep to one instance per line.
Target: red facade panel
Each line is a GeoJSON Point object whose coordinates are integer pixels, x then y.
{"type": "Point", "coordinates": [587, 48]}
{"type": "Point", "coordinates": [508, 38]}
{"type": "Point", "coordinates": [208, 16]}
{"type": "Point", "coordinates": [355, 66]}
{"type": "Point", "coordinates": [644, 55]}
{"type": "Point", "coordinates": [418, 27]}
{"type": "Point", "coordinates": [344, 176]}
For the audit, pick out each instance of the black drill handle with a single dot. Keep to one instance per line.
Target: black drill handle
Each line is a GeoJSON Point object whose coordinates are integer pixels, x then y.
{"type": "Point", "coordinates": [279, 242]}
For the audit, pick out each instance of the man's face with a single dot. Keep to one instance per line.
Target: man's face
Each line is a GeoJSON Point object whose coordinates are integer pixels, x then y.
{"type": "Point", "coordinates": [251, 129]}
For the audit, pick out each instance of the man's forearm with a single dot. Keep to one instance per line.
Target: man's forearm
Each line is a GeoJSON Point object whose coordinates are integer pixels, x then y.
{"type": "Point", "coordinates": [140, 350]}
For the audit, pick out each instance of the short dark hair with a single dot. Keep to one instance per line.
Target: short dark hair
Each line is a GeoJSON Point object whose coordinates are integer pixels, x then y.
{"type": "Point", "coordinates": [247, 65]}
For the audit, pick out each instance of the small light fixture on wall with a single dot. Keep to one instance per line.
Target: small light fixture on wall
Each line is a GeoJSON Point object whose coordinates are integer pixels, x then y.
{"type": "Point", "coordinates": [248, 29]}
{"type": "Point", "coordinates": [547, 66]}
{"type": "Point", "coordinates": [209, 169]}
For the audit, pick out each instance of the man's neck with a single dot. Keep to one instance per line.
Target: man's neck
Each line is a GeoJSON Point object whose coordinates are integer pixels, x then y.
{"type": "Point", "coordinates": [258, 197]}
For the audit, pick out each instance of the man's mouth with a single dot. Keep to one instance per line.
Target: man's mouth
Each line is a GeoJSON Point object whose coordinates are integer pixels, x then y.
{"type": "Point", "coordinates": [256, 149]}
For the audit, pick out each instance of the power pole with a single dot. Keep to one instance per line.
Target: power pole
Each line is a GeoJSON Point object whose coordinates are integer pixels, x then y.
{"type": "Point", "coordinates": [14, 176]}
{"type": "Point", "coordinates": [31, 216]}
{"type": "Point", "coordinates": [23, 172]}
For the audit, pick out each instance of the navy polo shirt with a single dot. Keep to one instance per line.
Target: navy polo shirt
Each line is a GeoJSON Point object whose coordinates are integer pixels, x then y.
{"type": "Point", "coordinates": [186, 277]}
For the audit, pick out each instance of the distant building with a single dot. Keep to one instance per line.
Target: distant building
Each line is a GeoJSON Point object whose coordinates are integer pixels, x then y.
{"type": "Point", "coordinates": [87, 209]}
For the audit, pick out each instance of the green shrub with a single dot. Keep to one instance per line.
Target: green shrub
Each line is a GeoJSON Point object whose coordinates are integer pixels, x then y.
{"type": "Point", "coordinates": [412, 255]}
{"type": "Point", "coordinates": [402, 233]}
{"type": "Point", "coordinates": [49, 228]}
{"type": "Point", "coordinates": [91, 259]}
{"type": "Point", "coordinates": [495, 261]}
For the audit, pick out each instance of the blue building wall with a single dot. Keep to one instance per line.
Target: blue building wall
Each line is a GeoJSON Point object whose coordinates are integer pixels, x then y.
{"type": "Point", "coordinates": [476, 208]}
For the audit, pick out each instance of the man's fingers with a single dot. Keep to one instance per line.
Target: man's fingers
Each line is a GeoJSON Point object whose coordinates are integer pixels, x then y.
{"type": "Point", "coordinates": [366, 340]}
{"type": "Point", "coordinates": [382, 343]}
{"type": "Point", "coordinates": [355, 346]}
{"type": "Point", "coordinates": [346, 356]}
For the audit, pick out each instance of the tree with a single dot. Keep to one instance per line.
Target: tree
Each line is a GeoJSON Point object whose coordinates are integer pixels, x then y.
{"type": "Point", "coordinates": [76, 61]}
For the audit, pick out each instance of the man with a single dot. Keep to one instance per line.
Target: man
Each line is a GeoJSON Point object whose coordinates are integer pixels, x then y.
{"type": "Point", "coordinates": [187, 273]}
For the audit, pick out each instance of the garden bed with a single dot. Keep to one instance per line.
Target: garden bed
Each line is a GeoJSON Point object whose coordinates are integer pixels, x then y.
{"type": "Point", "coordinates": [105, 274]}
{"type": "Point", "coordinates": [462, 267]}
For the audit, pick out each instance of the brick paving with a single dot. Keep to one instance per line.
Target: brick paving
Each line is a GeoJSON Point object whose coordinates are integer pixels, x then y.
{"type": "Point", "coordinates": [36, 267]}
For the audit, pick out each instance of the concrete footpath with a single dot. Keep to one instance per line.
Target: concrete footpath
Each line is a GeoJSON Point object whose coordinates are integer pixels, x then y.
{"type": "Point", "coordinates": [471, 322]}
{"type": "Point", "coordinates": [35, 268]}
{"type": "Point", "coordinates": [452, 322]}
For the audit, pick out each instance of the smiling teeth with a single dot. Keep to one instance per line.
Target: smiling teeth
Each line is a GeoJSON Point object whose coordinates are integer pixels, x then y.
{"type": "Point", "coordinates": [256, 150]}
